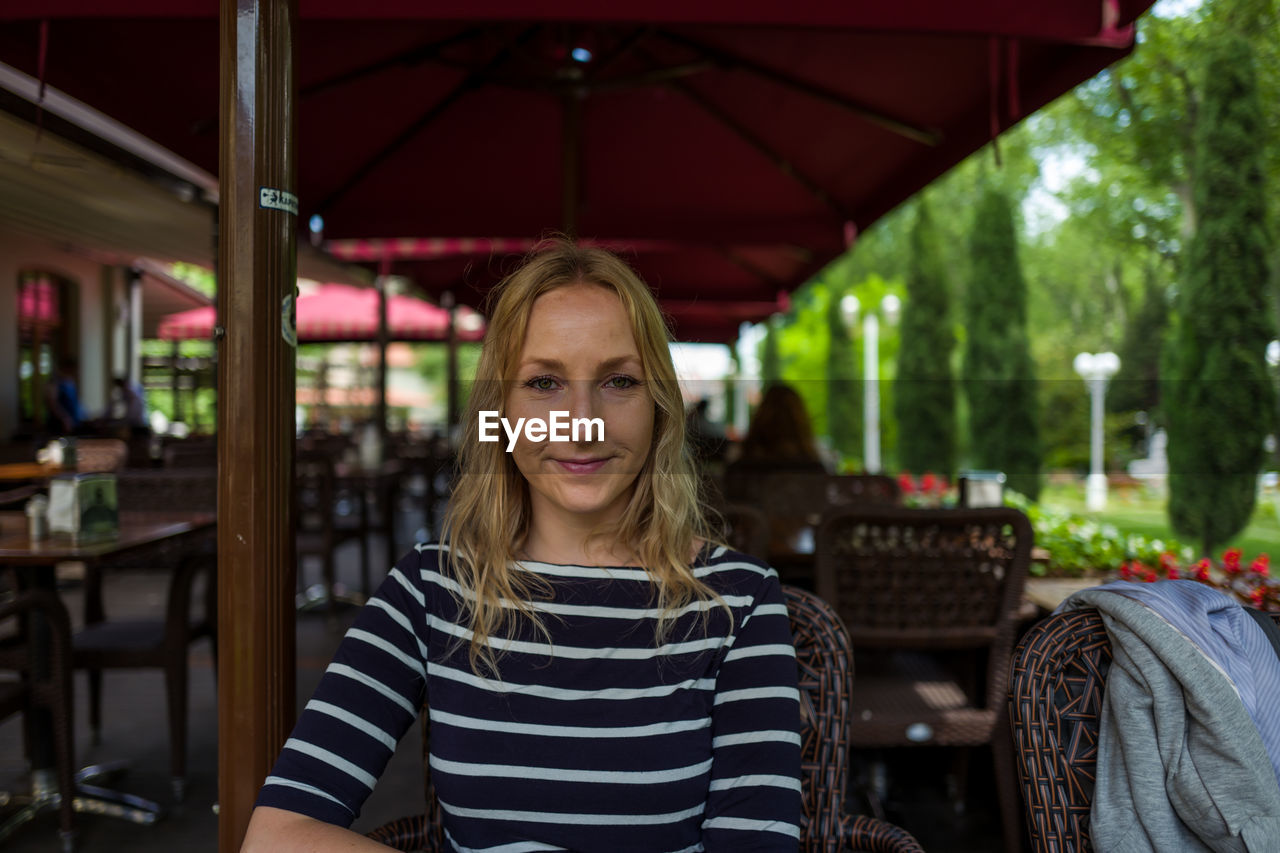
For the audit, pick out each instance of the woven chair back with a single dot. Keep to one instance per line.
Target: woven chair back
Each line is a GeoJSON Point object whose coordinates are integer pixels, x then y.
{"type": "Point", "coordinates": [924, 578]}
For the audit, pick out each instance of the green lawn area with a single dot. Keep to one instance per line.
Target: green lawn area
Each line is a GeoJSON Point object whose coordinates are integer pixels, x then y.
{"type": "Point", "coordinates": [1144, 514]}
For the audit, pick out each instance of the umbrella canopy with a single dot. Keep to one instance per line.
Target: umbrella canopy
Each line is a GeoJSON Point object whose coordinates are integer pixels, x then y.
{"type": "Point", "coordinates": [338, 313]}
{"type": "Point", "coordinates": [737, 147]}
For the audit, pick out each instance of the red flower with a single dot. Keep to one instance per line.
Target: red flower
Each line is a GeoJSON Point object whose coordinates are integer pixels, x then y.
{"type": "Point", "coordinates": [1231, 560]}
{"type": "Point", "coordinates": [1150, 576]}
{"type": "Point", "coordinates": [905, 483]}
{"type": "Point", "coordinates": [1261, 565]}
{"type": "Point", "coordinates": [1172, 570]}
{"type": "Point", "coordinates": [1126, 571]}
{"type": "Point", "coordinates": [928, 482]}
{"type": "Point", "coordinates": [1256, 596]}
{"type": "Point", "coordinates": [1202, 569]}
{"type": "Point", "coordinates": [1168, 560]}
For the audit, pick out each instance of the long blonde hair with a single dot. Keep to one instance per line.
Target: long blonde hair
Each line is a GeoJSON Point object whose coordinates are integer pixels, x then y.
{"type": "Point", "coordinates": [488, 517]}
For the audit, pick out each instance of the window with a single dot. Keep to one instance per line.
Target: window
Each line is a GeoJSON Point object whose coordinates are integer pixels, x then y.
{"type": "Point", "coordinates": [45, 337]}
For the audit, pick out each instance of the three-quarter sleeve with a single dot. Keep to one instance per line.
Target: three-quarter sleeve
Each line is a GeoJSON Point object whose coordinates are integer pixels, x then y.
{"type": "Point", "coordinates": [366, 700]}
{"type": "Point", "coordinates": [754, 800]}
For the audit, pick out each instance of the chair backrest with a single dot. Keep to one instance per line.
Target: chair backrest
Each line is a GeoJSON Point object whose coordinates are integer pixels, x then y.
{"type": "Point", "coordinates": [100, 455]}
{"type": "Point", "coordinates": [1056, 685]}
{"type": "Point", "coordinates": [315, 488]}
{"type": "Point", "coordinates": [825, 663]}
{"type": "Point", "coordinates": [168, 488]}
{"type": "Point", "coordinates": [804, 493]}
{"type": "Point", "coordinates": [928, 579]}
{"type": "Point", "coordinates": [746, 529]}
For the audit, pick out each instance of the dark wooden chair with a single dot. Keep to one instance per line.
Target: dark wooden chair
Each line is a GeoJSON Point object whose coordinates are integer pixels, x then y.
{"type": "Point", "coordinates": [1057, 680]}
{"type": "Point", "coordinates": [324, 520]}
{"type": "Point", "coordinates": [825, 668]}
{"type": "Point", "coordinates": [51, 690]}
{"type": "Point", "coordinates": [161, 642]}
{"type": "Point", "coordinates": [931, 600]}
{"type": "Point", "coordinates": [191, 613]}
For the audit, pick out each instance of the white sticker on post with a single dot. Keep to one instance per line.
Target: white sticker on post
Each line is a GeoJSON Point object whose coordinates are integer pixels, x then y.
{"type": "Point", "coordinates": [274, 199]}
{"type": "Point", "coordinates": [289, 321]}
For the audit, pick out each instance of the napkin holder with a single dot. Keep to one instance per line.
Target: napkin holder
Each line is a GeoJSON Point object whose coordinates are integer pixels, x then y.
{"type": "Point", "coordinates": [84, 507]}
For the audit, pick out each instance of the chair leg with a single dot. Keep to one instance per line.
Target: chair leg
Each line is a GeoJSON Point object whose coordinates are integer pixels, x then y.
{"type": "Point", "coordinates": [1007, 787]}
{"type": "Point", "coordinates": [64, 745]}
{"type": "Point", "coordinates": [175, 677]}
{"type": "Point", "coordinates": [95, 706]}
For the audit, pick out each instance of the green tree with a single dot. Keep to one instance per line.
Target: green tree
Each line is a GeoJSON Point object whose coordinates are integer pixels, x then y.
{"type": "Point", "coordinates": [925, 396]}
{"type": "Point", "coordinates": [1220, 402]}
{"type": "Point", "coordinates": [1137, 386]}
{"type": "Point", "coordinates": [844, 390]}
{"type": "Point", "coordinates": [999, 376]}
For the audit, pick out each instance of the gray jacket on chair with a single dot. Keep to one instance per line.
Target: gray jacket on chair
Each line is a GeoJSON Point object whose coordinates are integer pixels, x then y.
{"type": "Point", "coordinates": [1181, 765]}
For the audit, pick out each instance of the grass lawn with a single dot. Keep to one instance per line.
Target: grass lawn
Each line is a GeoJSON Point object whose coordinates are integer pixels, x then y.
{"type": "Point", "coordinates": [1144, 513]}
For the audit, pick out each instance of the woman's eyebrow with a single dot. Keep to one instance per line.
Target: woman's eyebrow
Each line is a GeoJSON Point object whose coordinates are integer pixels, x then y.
{"type": "Point", "coordinates": [558, 365]}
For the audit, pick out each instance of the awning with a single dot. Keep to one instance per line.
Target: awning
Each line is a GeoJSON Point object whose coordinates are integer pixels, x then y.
{"type": "Point", "coordinates": [337, 313]}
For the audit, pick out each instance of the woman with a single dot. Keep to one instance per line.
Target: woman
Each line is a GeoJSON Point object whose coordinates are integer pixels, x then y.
{"type": "Point", "coordinates": [780, 437]}
{"type": "Point", "coordinates": [598, 676]}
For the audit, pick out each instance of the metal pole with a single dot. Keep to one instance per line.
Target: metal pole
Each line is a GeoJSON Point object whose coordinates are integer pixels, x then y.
{"type": "Point", "coordinates": [1095, 489]}
{"type": "Point", "coordinates": [871, 392]}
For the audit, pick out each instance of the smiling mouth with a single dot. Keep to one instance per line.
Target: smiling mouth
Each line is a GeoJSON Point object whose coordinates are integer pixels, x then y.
{"type": "Point", "coordinates": [582, 466]}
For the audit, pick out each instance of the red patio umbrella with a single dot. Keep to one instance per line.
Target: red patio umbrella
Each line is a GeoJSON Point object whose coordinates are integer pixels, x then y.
{"type": "Point", "coordinates": [338, 313]}
{"type": "Point", "coordinates": [737, 146]}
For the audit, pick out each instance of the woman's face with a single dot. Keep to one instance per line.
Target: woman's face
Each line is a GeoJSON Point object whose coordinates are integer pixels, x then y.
{"type": "Point", "coordinates": [579, 356]}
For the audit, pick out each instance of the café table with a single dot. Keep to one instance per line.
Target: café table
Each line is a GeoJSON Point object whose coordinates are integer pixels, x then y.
{"type": "Point", "coordinates": [34, 563]}
{"type": "Point", "coordinates": [22, 471]}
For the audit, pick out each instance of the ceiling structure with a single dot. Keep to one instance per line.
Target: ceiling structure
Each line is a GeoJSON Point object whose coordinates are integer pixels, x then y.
{"type": "Point", "coordinates": [729, 150]}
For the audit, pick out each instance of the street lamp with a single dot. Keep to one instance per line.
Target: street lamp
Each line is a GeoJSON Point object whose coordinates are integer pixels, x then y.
{"type": "Point", "coordinates": [849, 306]}
{"type": "Point", "coordinates": [1096, 370]}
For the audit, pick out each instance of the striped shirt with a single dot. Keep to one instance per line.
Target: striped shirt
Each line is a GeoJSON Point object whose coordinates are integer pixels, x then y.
{"type": "Point", "coordinates": [600, 740]}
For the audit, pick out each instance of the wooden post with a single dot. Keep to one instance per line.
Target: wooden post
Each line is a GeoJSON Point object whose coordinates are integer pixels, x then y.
{"type": "Point", "coordinates": [257, 270]}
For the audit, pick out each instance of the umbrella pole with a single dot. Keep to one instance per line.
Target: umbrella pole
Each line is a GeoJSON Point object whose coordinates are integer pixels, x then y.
{"type": "Point", "coordinates": [447, 301]}
{"type": "Point", "coordinates": [381, 284]}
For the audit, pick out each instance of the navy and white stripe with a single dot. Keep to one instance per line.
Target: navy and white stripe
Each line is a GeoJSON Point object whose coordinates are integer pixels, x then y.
{"type": "Point", "coordinates": [594, 738]}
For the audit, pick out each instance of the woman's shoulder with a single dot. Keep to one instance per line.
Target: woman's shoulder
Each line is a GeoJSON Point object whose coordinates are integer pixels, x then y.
{"type": "Point", "coordinates": [731, 572]}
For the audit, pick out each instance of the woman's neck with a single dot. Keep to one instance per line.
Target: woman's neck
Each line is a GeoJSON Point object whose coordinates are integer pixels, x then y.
{"type": "Point", "coordinates": [574, 547]}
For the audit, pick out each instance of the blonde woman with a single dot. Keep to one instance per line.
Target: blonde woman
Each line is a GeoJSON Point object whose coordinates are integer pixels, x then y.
{"type": "Point", "coordinates": [598, 675]}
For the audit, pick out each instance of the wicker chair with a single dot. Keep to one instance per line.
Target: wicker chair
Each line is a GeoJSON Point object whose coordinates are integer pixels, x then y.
{"type": "Point", "coordinates": [825, 662]}
{"type": "Point", "coordinates": [930, 597]}
{"type": "Point", "coordinates": [1057, 680]}
{"type": "Point", "coordinates": [51, 690]}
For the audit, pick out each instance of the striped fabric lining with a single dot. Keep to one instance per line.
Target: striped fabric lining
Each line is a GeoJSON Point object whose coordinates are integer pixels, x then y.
{"type": "Point", "coordinates": [600, 740]}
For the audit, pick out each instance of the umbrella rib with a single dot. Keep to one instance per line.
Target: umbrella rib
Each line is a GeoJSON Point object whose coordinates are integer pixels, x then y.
{"type": "Point", "coordinates": [730, 61]}
{"type": "Point", "coordinates": [783, 165]}
{"type": "Point", "coordinates": [413, 56]}
{"type": "Point", "coordinates": [471, 81]}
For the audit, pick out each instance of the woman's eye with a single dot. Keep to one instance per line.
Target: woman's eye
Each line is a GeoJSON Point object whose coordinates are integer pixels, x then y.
{"type": "Point", "coordinates": [541, 383]}
{"type": "Point", "coordinates": [621, 382]}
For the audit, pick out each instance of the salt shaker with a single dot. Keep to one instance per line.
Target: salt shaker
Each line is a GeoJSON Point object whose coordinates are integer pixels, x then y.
{"type": "Point", "coordinates": [38, 518]}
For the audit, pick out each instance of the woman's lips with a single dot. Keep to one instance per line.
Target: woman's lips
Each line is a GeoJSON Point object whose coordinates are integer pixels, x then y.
{"type": "Point", "coordinates": [582, 466]}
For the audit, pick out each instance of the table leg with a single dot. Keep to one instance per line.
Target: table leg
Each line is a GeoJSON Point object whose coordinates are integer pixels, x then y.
{"type": "Point", "coordinates": [45, 796]}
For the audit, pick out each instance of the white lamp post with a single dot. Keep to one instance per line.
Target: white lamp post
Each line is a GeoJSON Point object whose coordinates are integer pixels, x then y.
{"type": "Point", "coordinates": [849, 306]}
{"type": "Point", "coordinates": [1096, 369]}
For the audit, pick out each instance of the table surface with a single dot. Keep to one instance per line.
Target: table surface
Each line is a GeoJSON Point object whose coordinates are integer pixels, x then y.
{"type": "Point", "coordinates": [136, 528]}
{"type": "Point", "coordinates": [28, 471]}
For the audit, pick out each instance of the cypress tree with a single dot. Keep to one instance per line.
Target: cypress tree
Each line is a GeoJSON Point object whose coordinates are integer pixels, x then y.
{"type": "Point", "coordinates": [1220, 405]}
{"type": "Point", "coordinates": [1137, 387]}
{"type": "Point", "coordinates": [925, 396]}
{"type": "Point", "coordinates": [998, 373]}
{"type": "Point", "coordinates": [844, 389]}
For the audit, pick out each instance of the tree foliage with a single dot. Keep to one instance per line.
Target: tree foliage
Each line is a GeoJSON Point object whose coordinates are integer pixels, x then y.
{"type": "Point", "coordinates": [1220, 400]}
{"type": "Point", "coordinates": [925, 396]}
{"type": "Point", "coordinates": [999, 378]}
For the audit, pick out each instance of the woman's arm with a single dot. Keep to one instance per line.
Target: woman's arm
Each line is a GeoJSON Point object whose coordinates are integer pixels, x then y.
{"type": "Point", "coordinates": [368, 697]}
{"type": "Point", "coordinates": [278, 831]}
{"type": "Point", "coordinates": [754, 801]}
